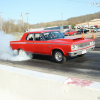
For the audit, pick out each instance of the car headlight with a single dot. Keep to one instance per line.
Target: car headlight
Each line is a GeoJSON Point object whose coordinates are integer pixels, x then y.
{"type": "Point", "coordinates": [92, 43]}
{"type": "Point", "coordinates": [74, 47]}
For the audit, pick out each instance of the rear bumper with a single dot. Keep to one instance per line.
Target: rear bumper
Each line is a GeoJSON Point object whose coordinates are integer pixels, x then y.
{"type": "Point", "coordinates": [80, 52]}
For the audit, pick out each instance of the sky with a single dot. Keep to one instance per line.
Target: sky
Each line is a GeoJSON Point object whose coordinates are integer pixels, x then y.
{"type": "Point", "coordinates": [41, 11]}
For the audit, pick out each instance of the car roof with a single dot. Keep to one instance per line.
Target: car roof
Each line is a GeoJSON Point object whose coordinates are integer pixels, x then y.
{"type": "Point", "coordinates": [41, 31]}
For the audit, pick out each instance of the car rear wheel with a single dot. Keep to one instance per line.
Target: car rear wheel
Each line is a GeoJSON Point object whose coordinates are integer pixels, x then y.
{"type": "Point", "coordinates": [67, 34]}
{"type": "Point", "coordinates": [74, 33]}
{"type": "Point", "coordinates": [59, 56]}
{"type": "Point", "coordinates": [22, 53]}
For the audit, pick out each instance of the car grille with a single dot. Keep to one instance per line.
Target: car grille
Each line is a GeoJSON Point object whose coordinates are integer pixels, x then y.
{"type": "Point", "coordinates": [83, 45]}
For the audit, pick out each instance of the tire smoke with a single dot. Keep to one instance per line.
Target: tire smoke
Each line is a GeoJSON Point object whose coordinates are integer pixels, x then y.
{"type": "Point", "coordinates": [6, 53]}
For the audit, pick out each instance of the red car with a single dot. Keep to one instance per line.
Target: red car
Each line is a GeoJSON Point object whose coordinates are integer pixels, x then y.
{"type": "Point", "coordinates": [70, 32]}
{"type": "Point", "coordinates": [53, 43]}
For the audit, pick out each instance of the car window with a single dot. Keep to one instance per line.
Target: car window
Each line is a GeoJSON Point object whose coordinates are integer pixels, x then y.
{"type": "Point", "coordinates": [38, 37]}
{"type": "Point", "coordinates": [66, 31]}
{"type": "Point", "coordinates": [52, 35]}
{"type": "Point", "coordinates": [29, 37]}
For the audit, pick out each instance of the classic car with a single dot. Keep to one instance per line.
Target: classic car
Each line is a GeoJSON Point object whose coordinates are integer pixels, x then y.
{"type": "Point", "coordinates": [70, 32]}
{"type": "Point", "coordinates": [53, 43]}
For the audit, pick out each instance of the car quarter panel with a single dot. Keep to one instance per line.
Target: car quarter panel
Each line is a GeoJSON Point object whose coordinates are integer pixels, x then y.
{"type": "Point", "coordinates": [16, 44]}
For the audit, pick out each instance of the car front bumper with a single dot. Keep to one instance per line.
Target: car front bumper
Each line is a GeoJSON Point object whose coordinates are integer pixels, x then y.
{"type": "Point", "coordinates": [80, 52]}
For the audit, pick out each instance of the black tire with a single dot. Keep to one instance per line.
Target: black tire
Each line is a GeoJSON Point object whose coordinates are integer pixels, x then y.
{"type": "Point", "coordinates": [81, 55]}
{"type": "Point", "coordinates": [59, 56]}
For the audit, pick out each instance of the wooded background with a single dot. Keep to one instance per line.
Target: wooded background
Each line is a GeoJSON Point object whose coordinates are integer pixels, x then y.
{"type": "Point", "coordinates": [11, 26]}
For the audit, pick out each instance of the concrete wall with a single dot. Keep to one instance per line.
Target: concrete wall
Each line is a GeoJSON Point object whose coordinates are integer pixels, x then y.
{"type": "Point", "coordinates": [22, 84]}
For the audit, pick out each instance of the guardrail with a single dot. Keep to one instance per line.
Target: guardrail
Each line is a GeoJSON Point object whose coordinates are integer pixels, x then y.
{"type": "Point", "coordinates": [22, 84]}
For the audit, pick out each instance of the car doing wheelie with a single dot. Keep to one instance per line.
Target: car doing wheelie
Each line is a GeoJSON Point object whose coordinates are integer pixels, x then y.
{"type": "Point", "coordinates": [53, 43]}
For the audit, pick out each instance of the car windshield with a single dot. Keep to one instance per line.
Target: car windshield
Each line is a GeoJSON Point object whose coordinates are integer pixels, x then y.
{"type": "Point", "coordinates": [52, 35]}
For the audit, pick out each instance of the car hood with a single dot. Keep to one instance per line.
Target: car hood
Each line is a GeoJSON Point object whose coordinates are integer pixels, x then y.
{"type": "Point", "coordinates": [69, 40]}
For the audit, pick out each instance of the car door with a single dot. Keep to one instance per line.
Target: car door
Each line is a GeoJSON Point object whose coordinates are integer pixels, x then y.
{"type": "Point", "coordinates": [71, 32]}
{"type": "Point", "coordinates": [29, 43]}
{"type": "Point", "coordinates": [68, 32]}
{"type": "Point", "coordinates": [39, 44]}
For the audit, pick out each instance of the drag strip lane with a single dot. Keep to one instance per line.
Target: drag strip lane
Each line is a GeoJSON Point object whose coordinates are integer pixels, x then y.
{"type": "Point", "coordinates": [87, 67]}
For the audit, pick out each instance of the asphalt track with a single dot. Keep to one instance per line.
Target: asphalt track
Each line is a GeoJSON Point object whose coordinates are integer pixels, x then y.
{"type": "Point", "coordinates": [87, 67]}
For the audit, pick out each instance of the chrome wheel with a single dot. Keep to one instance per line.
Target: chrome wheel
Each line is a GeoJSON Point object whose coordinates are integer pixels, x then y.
{"type": "Point", "coordinates": [58, 56]}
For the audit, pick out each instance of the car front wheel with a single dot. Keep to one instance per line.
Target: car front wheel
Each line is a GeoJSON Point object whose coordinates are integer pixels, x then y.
{"type": "Point", "coordinates": [59, 57]}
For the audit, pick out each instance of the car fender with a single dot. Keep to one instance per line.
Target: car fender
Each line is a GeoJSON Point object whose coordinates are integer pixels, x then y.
{"type": "Point", "coordinates": [64, 50]}
{"type": "Point", "coordinates": [54, 49]}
